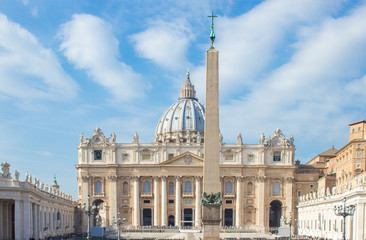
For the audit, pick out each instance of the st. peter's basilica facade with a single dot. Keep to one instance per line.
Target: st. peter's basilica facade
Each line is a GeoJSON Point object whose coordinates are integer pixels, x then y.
{"type": "Point", "coordinates": [160, 183]}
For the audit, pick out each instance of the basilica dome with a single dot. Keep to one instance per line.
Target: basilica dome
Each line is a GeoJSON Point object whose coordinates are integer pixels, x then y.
{"type": "Point", "coordinates": [184, 121]}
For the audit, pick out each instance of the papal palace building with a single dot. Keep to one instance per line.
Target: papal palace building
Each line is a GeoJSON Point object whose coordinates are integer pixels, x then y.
{"type": "Point", "coordinates": [344, 178]}
{"type": "Point", "coordinates": [160, 183]}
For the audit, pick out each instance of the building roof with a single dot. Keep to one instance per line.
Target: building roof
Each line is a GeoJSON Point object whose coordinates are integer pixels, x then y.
{"type": "Point", "coordinates": [362, 121]}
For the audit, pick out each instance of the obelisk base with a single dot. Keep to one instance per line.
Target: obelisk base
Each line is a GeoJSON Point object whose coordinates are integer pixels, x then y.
{"type": "Point", "coordinates": [211, 222]}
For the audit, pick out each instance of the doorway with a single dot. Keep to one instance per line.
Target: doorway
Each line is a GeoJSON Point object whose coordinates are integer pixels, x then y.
{"type": "Point", "coordinates": [171, 221]}
{"type": "Point", "coordinates": [228, 221]}
{"type": "Point", "coordinates": [146, 217]}
{"type": "Point", "coordinates": [188, 217]}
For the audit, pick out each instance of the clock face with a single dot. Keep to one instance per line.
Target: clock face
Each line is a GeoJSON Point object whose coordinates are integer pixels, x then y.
{"type": "Point", "coordinates": [278, 141]}
{"type": "Point", "coordinates": [97, 139]}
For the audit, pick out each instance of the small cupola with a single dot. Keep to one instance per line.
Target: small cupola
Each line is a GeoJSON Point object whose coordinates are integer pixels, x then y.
{"type": "Point", "coordinates": [188, 89]}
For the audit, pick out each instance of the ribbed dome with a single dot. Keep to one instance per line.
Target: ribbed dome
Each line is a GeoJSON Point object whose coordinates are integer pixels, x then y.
{"type": "Point", "coordinates": [184, 120]}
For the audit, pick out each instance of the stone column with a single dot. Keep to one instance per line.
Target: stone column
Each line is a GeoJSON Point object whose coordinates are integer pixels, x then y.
{"type": "Point", "coordinates": [136, 201]}
{"type": "Point", "coordinates": [113, 197]}
{"type": "Point", "coordinates": [178, 197]}
{"type": "Point", "coordinates": [198, 202]}
{"type": "Point", "coordinates": [238, 207]}
{"type": "Point", "coordinates": [164, 202]}
{"type": "Point", "coordinates": [260, 192]}
{"type": "Point", "coordinates": [35, 221]}
{"type": "Point", "coordinates": [156, 201]}
{"type": "Point", "coordinates": [18, 221]}
{"type": "Point", "coordinates": [27, 218]}
{"type": "Point", "coordinates": [289, 195]}
{"type": "Point", "coordinates": [360, 218]}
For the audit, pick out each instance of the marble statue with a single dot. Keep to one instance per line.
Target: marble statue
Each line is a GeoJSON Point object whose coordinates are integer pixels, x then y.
{"type": "Point", "coordinates": [135, 138]}
{"type": "Point", "coordinates": [17, 174]}
{"type": "Point", "coordinates": [81, 138]}
{"type": "Point", "coordinates": [5, 167]}
{"type": "Point", "coordinates": [199, 139]}
{"type": "Point", "coordinates": [239, 140]}
{"type": "Point", "coordinates": [113, 138]}
{"type": "Point", "coordinates": [261, 139]}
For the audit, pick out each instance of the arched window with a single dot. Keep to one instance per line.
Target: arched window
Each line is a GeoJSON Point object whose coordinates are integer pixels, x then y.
{"type": "Point", "coordinates": [276, 188]}
{"type": "Point", "coordinates": [125, 188]}
{"type": "Point", "coordinates": [98, 187]}
{"type": "Point", "coordinates": [250, 188]}
{"type": "Point", "coordinates": [171, 188]}
{"type": "Point", "coordinates": [188, 187]}
{"type": "Point", "coordinates": [229, 187]}
{"type": "Point", "coordinates": [147, 187]}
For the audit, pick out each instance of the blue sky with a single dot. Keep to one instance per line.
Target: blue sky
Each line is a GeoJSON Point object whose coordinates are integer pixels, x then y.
{"type": "Point", "coordinates": [69, 66]}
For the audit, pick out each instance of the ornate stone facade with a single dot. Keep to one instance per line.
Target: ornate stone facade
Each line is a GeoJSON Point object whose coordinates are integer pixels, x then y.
{"type": "Point", "coordinates": [32, 209]}
{"type": "Point", "coordinates": [160, 183]}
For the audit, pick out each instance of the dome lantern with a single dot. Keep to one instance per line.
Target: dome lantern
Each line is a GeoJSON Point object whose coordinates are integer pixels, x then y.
{"type": "Point", "coordinates": [188, 89]}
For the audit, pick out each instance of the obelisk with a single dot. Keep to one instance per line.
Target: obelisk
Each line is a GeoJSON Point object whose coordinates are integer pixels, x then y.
{"type": "Point", "coordinates": [211, 197]}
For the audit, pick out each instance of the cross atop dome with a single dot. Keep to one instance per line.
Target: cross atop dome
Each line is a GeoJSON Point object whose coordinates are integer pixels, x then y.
{"type": "Point", "coordinates": [188, 89]}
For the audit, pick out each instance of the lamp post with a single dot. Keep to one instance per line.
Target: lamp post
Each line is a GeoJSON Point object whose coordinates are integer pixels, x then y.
{"type": "Point", "coordinates": [344, 211]}
{"type": "Point", "coordinates": [119, 222]}
{"type": "Point", "coordinates": [88, 210]}
{"type": "Point", "coordinates": [289, 222]}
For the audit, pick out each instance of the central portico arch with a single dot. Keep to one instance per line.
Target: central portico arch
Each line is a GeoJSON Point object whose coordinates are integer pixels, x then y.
{"type": "Point", "coordinates": [275, 213]}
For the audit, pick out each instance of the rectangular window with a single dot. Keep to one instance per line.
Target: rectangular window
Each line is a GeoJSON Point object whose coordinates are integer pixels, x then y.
{"type": "Point", "coordinates": [330, 225]}
{"type": "Point", "coordinates": [170, 156]}
{"type": "Point", "coordinates": [97, 154]}
{"type": "Point", "coordinates": [277, 157]}
{"type": "Point", "coordinates": [229, 201]}
{"type": "Point", "coordinates": [299, 193]}
{"type": "Point", "coordinates": [171, 201]}
{"type": "Point", "coordinates": [341, 225]}
{"type": "Point", "coordinates": [229, 157]}
{"type": "Point", "coordinates": [145, 157]}
{"type": "Point", "coordinates": [146, 201]}
{"type": "Point", "coordinates": [335, 225]}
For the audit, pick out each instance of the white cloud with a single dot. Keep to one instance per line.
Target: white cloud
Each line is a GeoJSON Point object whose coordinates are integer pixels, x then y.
{"type": "Point", "coordinates": [249, 44]}
{"type": "Point", "coordinates": [29, 71]}
{"type": "Point", "coordinates": [315, 93]}
{"type": "Point", "coordinates": [34, 12]}
{"type": "Point", "coordinates": [165, 43]}
{"type": "Point", "coordinates": [89, 43]}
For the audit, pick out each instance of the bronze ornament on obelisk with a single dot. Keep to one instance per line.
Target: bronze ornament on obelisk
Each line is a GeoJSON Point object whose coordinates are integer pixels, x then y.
{"type": "Point", "coordinates": [211, 197]}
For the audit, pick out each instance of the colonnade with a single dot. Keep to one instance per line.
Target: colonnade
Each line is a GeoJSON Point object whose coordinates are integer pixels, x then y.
{"type": "Point", "coordinates": [161, 207]}
{"type": "Point", "coordinates": [23, 219]}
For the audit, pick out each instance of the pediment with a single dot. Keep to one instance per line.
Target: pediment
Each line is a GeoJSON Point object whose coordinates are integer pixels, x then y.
{"type": "Point", "coordinates": [185, 159]}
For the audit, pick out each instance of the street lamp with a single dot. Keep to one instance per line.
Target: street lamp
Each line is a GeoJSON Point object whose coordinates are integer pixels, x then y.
{"type": "Point", "coordinates": [88, 210]}
{"type": "Point", "coordinates": [289, 222]}
{"type": "Point", "coordinates": [344, 212]}
{"type": "Point", "coordinates": [119, 222]}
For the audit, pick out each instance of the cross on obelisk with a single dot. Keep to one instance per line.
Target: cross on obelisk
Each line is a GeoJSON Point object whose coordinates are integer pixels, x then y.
{"type": "Point", "coordinates": [211, 197]}
{"type": "Point", "coordinates": [212, 35]}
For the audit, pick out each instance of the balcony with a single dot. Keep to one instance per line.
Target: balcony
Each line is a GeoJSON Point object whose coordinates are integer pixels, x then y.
{"type": "Point", "coordinates": [188, 194]}
{"type": "Point", "coordinates": [146, 195]}
{"type": "Point", "coordinates": [229, 195]}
